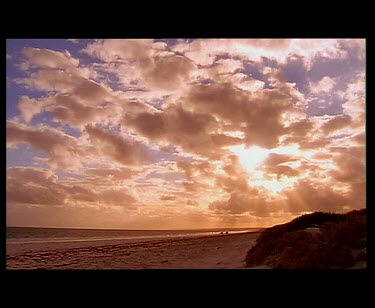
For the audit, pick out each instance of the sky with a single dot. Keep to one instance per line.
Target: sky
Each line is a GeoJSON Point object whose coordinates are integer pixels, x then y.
{"type": "Point", "coordinates": [183, 133]}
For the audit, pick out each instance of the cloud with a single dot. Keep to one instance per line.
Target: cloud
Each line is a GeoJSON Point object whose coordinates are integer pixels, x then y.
{"type": "Point", "coordinates": [356, 109]}
{"type": "Point", "coordinates": [223, 140]}
{"type": "Point", "coordinates": [49, 59]}
{"type": "Point", "coordinates": [326, 84]}
{"type": "Point", "coordinates": [336, 123]}
{"type": "Point", "coordinates": [307, 197]}
{"type": "Point", "coordinates": [303, 197]}
{"type": "Point", "coordinates": [275, 164]}
{"type": "Point", "coordinates": [239, 203]}
{"type": "Point", "coordinates": [112, 174]}
{"type": "Point", "coordinates": [115, 147]}
{"type": "Point", "coordinates": [180, 127]}
{"type": "Point", "coordinates": [74, 41]}
{"type": "Point", "coordinates": [63, 150]}
{"type": "Point", "coordinates": [151, 63]}
{"type": "Point", "coordinates": [196, 169]}
{"type": "Point", "coordinates": [236, 184]}
{"type": "Point", "coordinates": [63, 82]}
{"type": "Point", "coordinates": [33, 186]}
{"type": "Point", "coordinates": [360, 138]}
{"type": "Point", "coordinates": [119, 197]}
{"type": "Point", "coordinates": [147, 130]}
{"type": "Point", "coordinates": [114, 49]}
{"type": "Point", "coordinates": [311, 133]}
{"type": "Point", "coordinates": [169, 72]}
{"type": "Point", "coordinates": [233, 167]}
{"type": "Point", "coordinates": [58, 74]}
{"type": "Point", "coordinates": [350, 162]}
{"type": "Point", "coordinates": [150, 125]}
{"type": "Point", "coordinates": [28, 185]}
{"type": "Point", "coordinates": [204, 51]}
{"type": "Point", "coordinates": [167, 198]}
{"type": "Point", "coordinates": [258, 114]}
{"type": "Point", "coordinates": [29, 107]}
{"type": "Point", "coordinates": [69, 110]}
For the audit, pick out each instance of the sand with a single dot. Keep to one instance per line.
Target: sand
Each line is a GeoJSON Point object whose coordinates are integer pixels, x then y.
{"type": "Point", "coordinates": [210, 252]}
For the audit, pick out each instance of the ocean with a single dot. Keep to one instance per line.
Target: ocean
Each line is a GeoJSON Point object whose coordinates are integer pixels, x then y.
{"type": "Point", "coordinates": [30, 235]}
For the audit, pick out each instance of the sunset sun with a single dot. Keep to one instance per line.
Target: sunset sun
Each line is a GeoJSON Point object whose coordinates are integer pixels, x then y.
{"type": "Point", "coordinates": [250, 158]}
{"type": "Point", "coordinates": [253, 158]}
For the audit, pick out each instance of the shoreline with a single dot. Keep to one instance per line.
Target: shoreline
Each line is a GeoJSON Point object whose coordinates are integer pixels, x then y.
{"type": "Point", "coordinates": [206, 252]}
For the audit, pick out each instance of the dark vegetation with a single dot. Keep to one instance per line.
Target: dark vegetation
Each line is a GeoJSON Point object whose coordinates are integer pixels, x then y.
{"type": "Point", "coordinates": [340, 243]}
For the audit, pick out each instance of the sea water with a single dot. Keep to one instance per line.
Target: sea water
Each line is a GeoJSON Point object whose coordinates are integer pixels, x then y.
{"type": "Point", "coordinates": [29, 235]}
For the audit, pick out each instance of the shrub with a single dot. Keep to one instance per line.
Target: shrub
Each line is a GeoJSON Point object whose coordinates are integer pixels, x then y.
{"type": "Point", "coordinates": [288, 247]}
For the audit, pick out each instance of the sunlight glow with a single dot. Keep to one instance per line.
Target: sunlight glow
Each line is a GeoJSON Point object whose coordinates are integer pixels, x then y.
{"type": "Point", "coordinates": [275, 186]}
{"type": "Point", "coordinates": [250, 158]}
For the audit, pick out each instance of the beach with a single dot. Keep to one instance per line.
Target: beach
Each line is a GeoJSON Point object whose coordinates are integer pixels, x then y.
{"type": "Point", "coordinates": [223, 251]}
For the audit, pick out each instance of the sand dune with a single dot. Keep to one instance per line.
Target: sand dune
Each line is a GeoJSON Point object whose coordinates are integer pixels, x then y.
{"type": "Point", "coordinates": [210, 252]}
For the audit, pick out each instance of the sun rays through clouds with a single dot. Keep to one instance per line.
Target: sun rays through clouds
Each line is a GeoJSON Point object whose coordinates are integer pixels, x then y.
{"type": "Point", "coordinates": [175, 133]}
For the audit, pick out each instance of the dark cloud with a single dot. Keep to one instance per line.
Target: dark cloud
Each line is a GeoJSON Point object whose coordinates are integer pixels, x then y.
{"type": "Point", "coordinates": [168, 72]}
{"type": "Point", "coordinates": [234, 184]}
{"type": "Point", "coordinates": [307, 197]}
{"type": "Point", "coordinates": [167, 198]}
{"type": "Point", "coordinates": [275, 164]}
{"type": "Point", "coordinates": [295, 71]}
{"type": "Point", "coordinates": [233, 168]}
{"type": "Point", "coordinates": [274, 159]}
{"type": "Point", "coordinates": [239, 203]}
{"type": "Point", "coordinates": [221, 140]}
{"type": "Point", "coordinates": [150, 125]}
{"type": "Point", "coordinates": [299, 129]}
{"type": "Point", "coordinates": [360, 138]}
{"type": "Point", "coordinates": [121, 150]}
{"type": "Point", "coordinates": [193, 169]}
{"type": "Point", "coordinates": [118, 197]}
{"type": "Point", "coordinates": [336, 123]}
{"type": "Point", "coordinates": [180, 127]}
{"type": "Point", "coordinates": [350, 164]}
{"type": "Point", "coordinates": [33, 186]}
{"type": "Point", "coordinates": [258, 115]}
{"type": "Point", "coordinates": [67, 109]}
